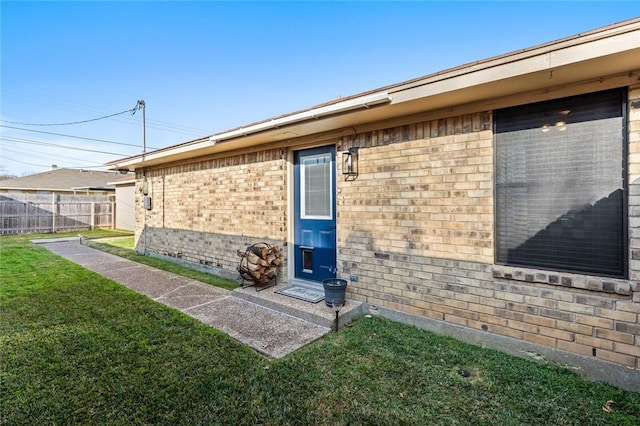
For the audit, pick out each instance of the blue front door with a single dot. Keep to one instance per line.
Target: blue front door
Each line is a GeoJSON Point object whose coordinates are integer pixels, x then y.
{"type": "Point", "coordinates": [315, 213]}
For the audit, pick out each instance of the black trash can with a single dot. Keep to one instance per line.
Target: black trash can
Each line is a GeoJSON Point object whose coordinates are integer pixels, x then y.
{"type": "Point", "coordinates": [334, 291]}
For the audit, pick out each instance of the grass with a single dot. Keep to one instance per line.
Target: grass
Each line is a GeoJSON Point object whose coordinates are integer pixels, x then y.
{"type": "Point", "coordinates": [123, 246]}
{"type": "Point", "coordinates": [77, 348]}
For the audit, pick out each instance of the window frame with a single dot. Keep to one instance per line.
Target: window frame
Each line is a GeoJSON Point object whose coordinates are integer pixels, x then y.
{"type": "Point", "coordinates": [303, 181]}
{"type": "Point", "coordinates": [623, 91]}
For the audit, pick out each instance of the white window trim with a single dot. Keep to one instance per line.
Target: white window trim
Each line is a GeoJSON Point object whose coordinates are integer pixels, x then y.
{"type": "Point", "coordinates": [303, 214]}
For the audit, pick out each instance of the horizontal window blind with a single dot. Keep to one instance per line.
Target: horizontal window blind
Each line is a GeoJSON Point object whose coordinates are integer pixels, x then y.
{"type": "Point", "coordinates": [560, 186]}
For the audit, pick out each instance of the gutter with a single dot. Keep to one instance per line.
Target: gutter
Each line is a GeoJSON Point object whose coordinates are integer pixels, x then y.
{"type": "Point", "coordinates": [324, 111]}
{"type": "Point", "coordinates": [313, 114]}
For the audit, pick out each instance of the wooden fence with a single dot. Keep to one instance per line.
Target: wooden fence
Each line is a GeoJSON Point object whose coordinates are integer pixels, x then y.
{"type": "Point", "coordinates": [29, 213]}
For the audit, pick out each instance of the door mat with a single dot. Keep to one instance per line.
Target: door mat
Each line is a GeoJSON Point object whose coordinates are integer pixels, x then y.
{"type": "Point", "coordinates": [303, 293]}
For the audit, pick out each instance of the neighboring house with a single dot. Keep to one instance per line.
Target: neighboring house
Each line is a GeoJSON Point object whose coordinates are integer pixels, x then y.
{"type": "Point", "coordinates": [125, 201]}
{"type": "Point", "coordinates": [498, 200]}
{"type": "Point", "coordinates": [61, 181]}
{"type": "Point", "coordinates": [57, 200]}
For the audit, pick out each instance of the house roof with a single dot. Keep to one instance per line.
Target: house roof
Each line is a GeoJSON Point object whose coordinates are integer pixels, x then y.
{"type": "Point", "coordinates": [61, 180]}
{"type": "Point", "coordinates": [590, 56]}
{"type": "Point", "coordinates": [127, 179]}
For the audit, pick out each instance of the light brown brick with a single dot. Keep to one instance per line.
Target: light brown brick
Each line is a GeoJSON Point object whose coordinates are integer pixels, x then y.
{"type": "Point", "coordinates": [614, 336]}
{"type": "Point", "coordinates": [618, 358]}
{"type": "Point", "coordinates": [540, 340]}
{"type": "Point", "coordinates": [557, 334]}
{"type": "Point", "coordinates": [632, 350]}
{"type": "Point", "coordinates": [490, 319]}
{"type": "Point", "coordinates": [594, 342]}
{"type": "Point", "coordinates": [505, 331]}
{"type": "Point", "coordinates": [453, 319]}
{"type": "Point", "coordinates": [523, 326]}
{"type": "Point", "coordinates": [575, 348]}
{"type": "Point", "coordinates": [633, 307]}
{"type": "Point", "coordinates": [574, 307]}
{"type": "Point", "coordinates": [594, 321]}
{"type": "Point", "coordinates": [573, 327]}
{"type": "Point", "coordinates": [616, 315]}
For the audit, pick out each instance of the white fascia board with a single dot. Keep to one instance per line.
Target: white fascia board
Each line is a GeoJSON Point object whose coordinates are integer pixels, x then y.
{"type": "Point", "coordinates": [547, 58]}
{"type": "Point", "coordinates": [603, 47]}
{"type": "Point", "coordinates": [126, 163]}
{"type": "Point", "coordinates": [315, 113]}
{"type": "Point", "coordinates": [123, 182]}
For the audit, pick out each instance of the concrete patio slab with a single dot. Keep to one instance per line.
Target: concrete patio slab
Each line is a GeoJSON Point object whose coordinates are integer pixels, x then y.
{"type": "Point", "coordinates": [272, 333]}
{"type": "Point", "coordinates": [261, 327]}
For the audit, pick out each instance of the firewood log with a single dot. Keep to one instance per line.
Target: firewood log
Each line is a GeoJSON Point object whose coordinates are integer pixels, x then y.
{"type": "Point", "coordinates": [270, 272]}
{"type": "Point", "coordinates": [252, 266]}
{"type": "Point", "coordinates": [253, 258]}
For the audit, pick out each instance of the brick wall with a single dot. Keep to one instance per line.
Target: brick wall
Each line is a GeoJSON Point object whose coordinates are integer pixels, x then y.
{"type": "Point", "coordinates": [416, 228]}
{"type": "Point", "coordinates": [431, 196]}
{"type": "Point", "coordinates": [204, 211]}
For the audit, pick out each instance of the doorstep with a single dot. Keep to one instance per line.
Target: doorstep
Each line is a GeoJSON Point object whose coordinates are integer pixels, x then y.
{"type": "Point", "coordinates": [316, 313]}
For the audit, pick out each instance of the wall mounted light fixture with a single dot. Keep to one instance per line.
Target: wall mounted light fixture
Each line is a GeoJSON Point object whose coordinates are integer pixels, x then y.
{"type": "Point", "coordinates": [350, 163]}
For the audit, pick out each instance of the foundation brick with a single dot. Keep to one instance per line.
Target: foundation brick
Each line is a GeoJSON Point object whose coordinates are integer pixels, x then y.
{"type": "Point", "coordinates": [540, 339]}
{"type": "Point", "coordinates": [618, 358]}
{"type": "Point", "coordinates": [574, 327]}
{"type": "Point", "coordinates": [523, 326]}
{"type": "Point", "coordinates": [557, 334]}
{"type": "Point", "coordinates": [506, 331]}
{"type": "Point", "coordinates": [594, 342]}
{"type": "Point", "coordinates": [615, 336]}
{"type": "Point", "coordinates": [594, 321]}
{"type": "Point", "coordinates": [628, 328]}
{"type": "Point", "coordinates": [538, 320]}
{"type": "Point", "coordinates": [616, 315]}
{"type": "Point", "coordinates": [632, 350]}
{"type": "Point", "coordinates": [453, 319]}
{"type": "Point", "coordinates": [575, 348]}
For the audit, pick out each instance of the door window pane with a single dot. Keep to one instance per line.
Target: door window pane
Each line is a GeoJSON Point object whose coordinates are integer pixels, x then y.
{"type": "Point", "coordinates": [315, 187]}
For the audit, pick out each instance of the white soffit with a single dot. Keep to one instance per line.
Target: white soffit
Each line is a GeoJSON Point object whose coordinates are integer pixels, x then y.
{"type": "Point", "coordinates": [618, 50]}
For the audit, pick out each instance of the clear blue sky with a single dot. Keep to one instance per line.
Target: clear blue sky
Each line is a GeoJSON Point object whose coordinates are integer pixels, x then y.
{"type": "Point", "coordinates": [205, 67]}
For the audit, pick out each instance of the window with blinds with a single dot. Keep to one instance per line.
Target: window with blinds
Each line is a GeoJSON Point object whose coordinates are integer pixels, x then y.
{"type": "Point", "coordinates": [561, 186]}
{"type": "Point", "coordinates": [316, 199]}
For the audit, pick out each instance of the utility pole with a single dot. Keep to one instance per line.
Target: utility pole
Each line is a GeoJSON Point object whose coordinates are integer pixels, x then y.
{"type": "Point", "coordinates": [141, 105]}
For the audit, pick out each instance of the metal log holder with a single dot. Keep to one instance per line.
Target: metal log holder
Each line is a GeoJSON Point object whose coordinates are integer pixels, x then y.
{"type": "Point", "coordinates": [248, 276]}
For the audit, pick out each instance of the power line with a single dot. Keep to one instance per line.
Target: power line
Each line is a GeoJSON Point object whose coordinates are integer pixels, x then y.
{"type": "Point", "coordinates": [38, 154]}
{"type": "Point", "coordinates": [131, 111]}
{"type": "Point", "coordinates": [79, 107]}
{"type": "Point", "coordinates": [70, 136]}
{"type": "Point", "coordinates": [22, 162]}
{"type": "Point", "coordinates": [48, 166]}
{"type": "Point", "coordinates": [32, 142]}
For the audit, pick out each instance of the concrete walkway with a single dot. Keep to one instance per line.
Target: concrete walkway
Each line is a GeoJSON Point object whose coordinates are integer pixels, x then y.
{"type": "Point", "coordinates": [265, 329]}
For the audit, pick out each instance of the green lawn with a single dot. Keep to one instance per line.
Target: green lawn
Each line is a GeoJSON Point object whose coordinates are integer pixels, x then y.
{"type": "Point", "coordinates": [76, 348]}
{"type": "Point", "coordinates": [124, 247]}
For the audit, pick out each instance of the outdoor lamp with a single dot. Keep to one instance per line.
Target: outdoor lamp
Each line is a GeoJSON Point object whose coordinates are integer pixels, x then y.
{"type": "Point", "coordinates": [350, 162]}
